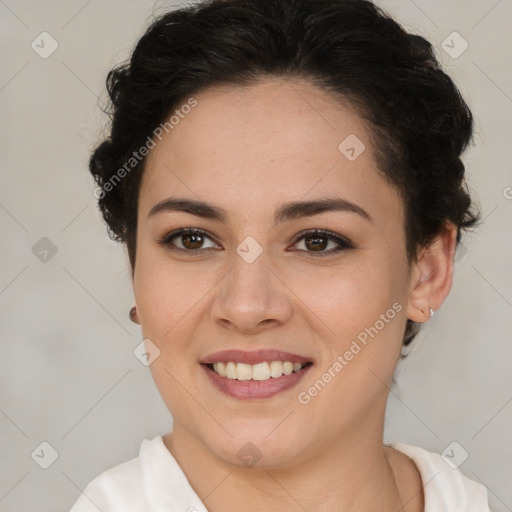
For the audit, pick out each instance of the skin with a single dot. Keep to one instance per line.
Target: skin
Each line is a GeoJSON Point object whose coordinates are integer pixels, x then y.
{"type": "Point", "coordinates": [248, 150]}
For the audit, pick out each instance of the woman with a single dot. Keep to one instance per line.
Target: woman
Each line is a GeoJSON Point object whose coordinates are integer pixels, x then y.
{"type": "Point", "coordinates": [287, 179]}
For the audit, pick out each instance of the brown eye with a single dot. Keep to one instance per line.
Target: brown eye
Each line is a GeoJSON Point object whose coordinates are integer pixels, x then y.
{"type": "Point", "coordinates": [189, 240]}
{"type": "Point", "coordinates": [316, 241]}
{"type": "Point", "coordinates": [192, 241]}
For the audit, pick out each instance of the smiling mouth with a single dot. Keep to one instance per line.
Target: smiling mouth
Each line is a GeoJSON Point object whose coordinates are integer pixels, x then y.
{"type": "Point", "coordinates": [258, 372]}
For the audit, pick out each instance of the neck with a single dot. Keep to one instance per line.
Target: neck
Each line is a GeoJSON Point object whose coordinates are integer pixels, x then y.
{"type": "Point", "coordinates": [351, 473]}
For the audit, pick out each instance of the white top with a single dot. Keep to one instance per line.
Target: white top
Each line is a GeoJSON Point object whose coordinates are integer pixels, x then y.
{"type": "Point", "coordinates": [154, 482]}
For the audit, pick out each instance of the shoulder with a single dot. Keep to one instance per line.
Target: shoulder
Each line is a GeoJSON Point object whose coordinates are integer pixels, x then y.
{"type": "Point", "coordinates": [151, 482]}
{"type": "Point", "coordinates": [445, 487]}
{"type": "Point", "coordinates": [122, 487]}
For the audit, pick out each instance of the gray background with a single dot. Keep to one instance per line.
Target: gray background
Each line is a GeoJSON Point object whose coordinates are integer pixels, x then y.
{"type": "Point", "coordinates": [68, 373]}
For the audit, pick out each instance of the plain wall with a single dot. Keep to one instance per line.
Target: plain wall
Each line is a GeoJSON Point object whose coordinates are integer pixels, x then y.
{"type": "Point", "coordinates": [68, 373]}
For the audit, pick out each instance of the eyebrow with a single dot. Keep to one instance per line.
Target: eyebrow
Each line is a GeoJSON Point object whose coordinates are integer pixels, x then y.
{"type": "Point", "coordinates": [285, 212]}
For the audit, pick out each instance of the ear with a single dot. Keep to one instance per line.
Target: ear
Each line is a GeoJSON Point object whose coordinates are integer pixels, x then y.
{"type": "Point", "coordinates": [431, 277]}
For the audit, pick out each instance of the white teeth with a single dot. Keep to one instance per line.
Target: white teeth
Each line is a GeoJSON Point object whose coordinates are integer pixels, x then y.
{"type": "Point", "coordinates": [231, 370]}
{"type": "Point", "coordinates": [260, 371]}
{"type": "Point", "coordinates": [276, 369]}
{"type": "Point", "coordinates": [287, 368]}
{"type": "Point", "coordinates": [220, 368]}
{"type": "Point", "coordinates": [243, 371]}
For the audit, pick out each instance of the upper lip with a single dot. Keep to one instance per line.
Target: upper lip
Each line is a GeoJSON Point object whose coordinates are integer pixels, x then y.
{"type": "Point", "coordinates": [253, 357]}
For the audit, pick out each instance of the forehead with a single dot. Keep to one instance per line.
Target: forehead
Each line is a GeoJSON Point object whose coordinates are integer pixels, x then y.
{"type": "Point", "coordinates": [265, 143]}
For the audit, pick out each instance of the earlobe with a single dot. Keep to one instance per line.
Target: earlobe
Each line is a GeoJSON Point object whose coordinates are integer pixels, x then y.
{"type": "Point", "coordinates": [432, 276]}
{"type": "Point", "coordinates": [133, 315]}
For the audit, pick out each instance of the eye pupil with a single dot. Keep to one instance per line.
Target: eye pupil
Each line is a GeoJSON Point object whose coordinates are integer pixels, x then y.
{"type": "Point", "coordinates": [196, 241]}
{"type": "Point", "coordinates": [316, 243]}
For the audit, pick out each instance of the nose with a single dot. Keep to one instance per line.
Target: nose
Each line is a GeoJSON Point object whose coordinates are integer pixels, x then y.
{"type": "Point", "coordinates": [252, 298]}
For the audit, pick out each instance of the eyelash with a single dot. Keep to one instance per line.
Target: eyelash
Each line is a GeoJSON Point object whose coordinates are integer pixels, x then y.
{"type": "Point", "coordinates": [343, 242]}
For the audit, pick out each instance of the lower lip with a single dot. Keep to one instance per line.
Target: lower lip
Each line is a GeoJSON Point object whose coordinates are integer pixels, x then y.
{"type": "Point", "coordinates": [254, 389]}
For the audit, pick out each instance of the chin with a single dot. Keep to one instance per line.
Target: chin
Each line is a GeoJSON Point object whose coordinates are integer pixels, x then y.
{"type": "Point", "coordinates": [255, 446]}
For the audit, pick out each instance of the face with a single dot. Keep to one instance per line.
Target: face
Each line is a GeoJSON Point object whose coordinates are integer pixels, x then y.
{"type": "Point", "coordinates": [267, 276]}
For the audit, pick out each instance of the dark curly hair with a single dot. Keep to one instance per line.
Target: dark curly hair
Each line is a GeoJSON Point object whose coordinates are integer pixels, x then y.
{"type": "Point", "coordinates": [419, 122]}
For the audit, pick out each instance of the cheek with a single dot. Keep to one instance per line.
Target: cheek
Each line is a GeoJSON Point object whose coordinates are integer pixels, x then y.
{"type": "Point", "coordinates": [352, 296]}
{"type": "Point", "coordinates": [166, 292]}
{"type": "Point", "coordinates": [361, 318]}
{"type": "Point", "coordinates": [360, 329]}
{"type": "Point", "coordinates": [168, 299]}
